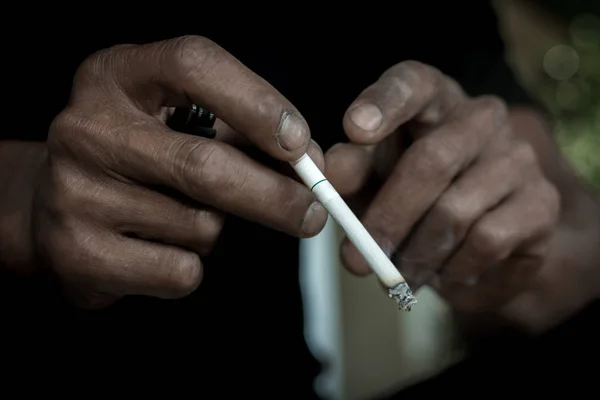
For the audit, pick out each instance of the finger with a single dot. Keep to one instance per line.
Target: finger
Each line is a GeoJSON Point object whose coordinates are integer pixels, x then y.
{"type": "Point", "coordinates": [474, 193]}
{"type": "Point", "coordinates": [112, 266]}
{"type": "Point", "coordinates": [424, 172]}
{"type": "Point", "coordinates": [208, 171]}
{"type": "Point", "coordinates": [130, 266]}
{"type": "Point", "coordinates": [195, 69]}
{"type": "Point", "coordinates": [526, 217]}
{"type": "Point", "coordinates": [150, 215]}
{"type": "Point", "coordinates": [409, 90]}
{"type": "Point", "coordinates": [227, 135]}
{"type": "Point", "coordinates": [315, 153]}
{"type": "Point", "coordinates": [349, 166]}
{"type": "Point", "coordinates": [495, 287]}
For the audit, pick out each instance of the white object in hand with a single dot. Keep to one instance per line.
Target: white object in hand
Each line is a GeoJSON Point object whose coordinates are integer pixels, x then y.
{"type": "Point", "coordinates": [379, 262]}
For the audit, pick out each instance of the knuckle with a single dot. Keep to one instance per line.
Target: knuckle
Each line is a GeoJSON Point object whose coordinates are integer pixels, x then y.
{"type": "Point", "coordinates": [201, 164]}
{"type": "Point", "coordinates": [412, 64]}
{"type": "Point", "coordinates": [454, 211]}
{"type": "Point", "coordinates": [209, 225]}
{"type": "Point", "coordinates": [99, 70]}
{"type": "Point", "coordinates": [412, 67]}
{"type": "Point", "coordinates": [92, 66]}
{"type": "Point", "coordinates": [185, 274]}
{"type": "Point", "coordinates": [415, 74]}
{"type": "Point", "coordinates": [488, 241]}
{"type": "Point", "coordinates": [523, 153]}
{"type": "Point", "coordinates": [192, 54]}
{"type": "Point", "coordinates": [64, 121]}
{"type": "Point", "coordinates": [63, 127]}
{"type": "Point", "coordinates": [491, 108]}
{"type": "Point", "coordinates": [72, 133]}
{"type": "Point", "coordinates": [70, 190]}
{"type": "Point", "coordinates": [95, 68]}
{"type": "Point", "coordinates": [435, 157]}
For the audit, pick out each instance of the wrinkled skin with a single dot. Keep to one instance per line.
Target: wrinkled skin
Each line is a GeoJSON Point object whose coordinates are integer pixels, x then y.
{"type": "Point", "coordinates": [467, 207]}
{"type": "Point", "coordinates": [110, 217]}
{"type": "Point", "coordinates": [475, 201]}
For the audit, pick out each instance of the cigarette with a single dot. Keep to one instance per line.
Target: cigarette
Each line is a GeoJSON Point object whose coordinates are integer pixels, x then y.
{"type": "Point", "coordinates": [379, 262]}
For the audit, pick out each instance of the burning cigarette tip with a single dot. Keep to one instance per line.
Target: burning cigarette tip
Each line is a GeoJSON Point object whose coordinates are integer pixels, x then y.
{"type": "Point", "coordinates": [402, 294]}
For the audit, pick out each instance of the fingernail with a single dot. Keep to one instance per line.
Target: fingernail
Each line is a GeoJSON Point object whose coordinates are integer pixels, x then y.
{"type": "Point", "coordinates": [314, 219]}
{"type": "Point", "coordinates": [292, 132]}
{"type": "Point", "coordinates": [367, 116]}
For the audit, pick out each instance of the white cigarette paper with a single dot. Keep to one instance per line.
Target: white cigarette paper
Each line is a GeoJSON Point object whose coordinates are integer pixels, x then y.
{"type": "Point", "coordinates": [379, 262]}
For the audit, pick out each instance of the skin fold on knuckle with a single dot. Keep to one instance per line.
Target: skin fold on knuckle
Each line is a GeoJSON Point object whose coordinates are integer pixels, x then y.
{"type": "Point", "coordinates": [456, 213]}
{"type": "Point", "coordinates": [207, 225]}
{"type": "Point", "coordinates": [434, 158]}
{"type": "Point", "coordinates": [83, 140]}
{"type": "Point", "coordinates": [524, 161]}
{"type": "Point", "coordinates": [415, 73]}
{"type": "Point", "coordinates": [95, 69]}
{"type": "Point", "coordinates": [426, 78]}
{"type": "Point", "coordinates": [524, 153]}
{"type": "Point", "coordinates": [490, 243]}
{"type": "Point", "coordinates": [490, 110]}
{"type": "Point", "coordinates": [65, 130]}
{"type": "Point", "coordinates": [196, 163]}
{"type": "Point", "coordinates": [193, 57]}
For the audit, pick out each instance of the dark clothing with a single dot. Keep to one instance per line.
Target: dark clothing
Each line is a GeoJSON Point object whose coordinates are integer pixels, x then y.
{"type": "Point", "coordinates": [254, 332]}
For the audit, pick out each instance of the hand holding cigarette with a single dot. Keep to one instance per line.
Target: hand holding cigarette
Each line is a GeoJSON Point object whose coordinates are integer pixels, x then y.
{"type": "Point", "coordinates": [464, 206]}
{"type": "Point", "coordinates": [124, 205]}
{"type": "Point", "coordinates": [386, 271]}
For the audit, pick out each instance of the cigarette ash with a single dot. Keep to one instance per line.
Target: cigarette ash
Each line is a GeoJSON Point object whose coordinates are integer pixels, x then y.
{"type": "Point", "coordinates": [402, 294]}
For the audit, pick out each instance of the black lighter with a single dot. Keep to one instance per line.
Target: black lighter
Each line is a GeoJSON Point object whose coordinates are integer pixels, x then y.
{"type": "Point", "coordinates": [193, 121]}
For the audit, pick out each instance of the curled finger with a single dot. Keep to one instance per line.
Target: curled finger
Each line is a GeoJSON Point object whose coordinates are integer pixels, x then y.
{"type": "Point", "coordinates": [424, 172]}
{"type": "Point", "coordinates": [516, 226]}
{"type": "Point", "coordinates": [409, 90]}
{"type": "Point", "coordinates": [475, 192]}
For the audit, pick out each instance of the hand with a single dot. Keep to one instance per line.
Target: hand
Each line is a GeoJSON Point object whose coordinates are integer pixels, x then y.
{"type": "Point", "coordinates": [465, 207]}
{"type": "Point", "coordinates": [127, 206]}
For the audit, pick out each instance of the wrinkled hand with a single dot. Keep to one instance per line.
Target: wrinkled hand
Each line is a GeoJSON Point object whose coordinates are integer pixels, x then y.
{"type": "Point", "coordinates": [127, 206]}
{"type": "Point", "coordinates": [465, 207]}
